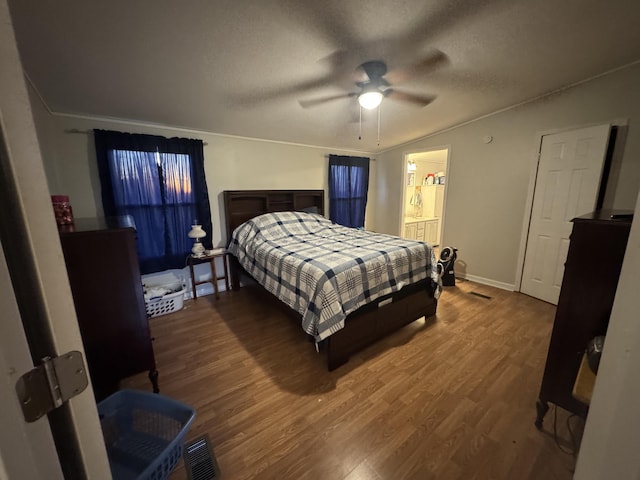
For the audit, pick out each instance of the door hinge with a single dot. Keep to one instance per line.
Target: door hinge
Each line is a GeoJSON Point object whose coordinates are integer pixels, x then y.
{"type": "Point", "coordinates": [51, 384]}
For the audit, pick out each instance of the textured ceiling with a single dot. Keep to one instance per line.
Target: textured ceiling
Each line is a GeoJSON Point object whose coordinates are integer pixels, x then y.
{"type": "Point", "coordinates": [238, 67]}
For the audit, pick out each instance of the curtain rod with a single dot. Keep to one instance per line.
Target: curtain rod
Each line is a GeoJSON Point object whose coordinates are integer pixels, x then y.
{"type": "Point", "coordinates": [89, 132]}
{"type": "Point", "coordinates": [329, 154]}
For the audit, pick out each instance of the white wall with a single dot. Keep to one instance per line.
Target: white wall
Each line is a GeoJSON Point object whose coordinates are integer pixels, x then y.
{"type": "Point", "coordinates": [231, 163]}
{"type": "Point", "coordinates": [487, 185]}
{"type": "Point", "coordinates": [609, 446]}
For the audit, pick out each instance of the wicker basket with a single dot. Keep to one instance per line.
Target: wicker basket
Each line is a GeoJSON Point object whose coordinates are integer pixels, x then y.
{"type": "Point", "coordinates": [169, 303]}
{"type": "Point", "coordinates": [144, 433]}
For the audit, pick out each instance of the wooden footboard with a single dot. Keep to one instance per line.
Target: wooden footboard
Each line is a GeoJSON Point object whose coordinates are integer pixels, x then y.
{"type": "Point", "coordinates": [377, 320]}
{"type": "Point", "coordinates": [366, 325]}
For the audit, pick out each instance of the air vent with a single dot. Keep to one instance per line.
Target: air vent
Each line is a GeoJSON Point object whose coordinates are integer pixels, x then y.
{"type": "Point", "coordinates": [199, 461]}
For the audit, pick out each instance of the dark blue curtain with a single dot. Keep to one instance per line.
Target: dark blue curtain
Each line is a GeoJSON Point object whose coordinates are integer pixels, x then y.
{"type": "Point", "coordinates": [348, 187]}
{"type": "Point", "coordinates": [160, 182]}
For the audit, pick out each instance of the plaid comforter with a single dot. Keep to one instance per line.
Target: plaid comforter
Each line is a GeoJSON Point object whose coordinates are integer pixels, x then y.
{"type": "Point", "coordinates": [325, 271]}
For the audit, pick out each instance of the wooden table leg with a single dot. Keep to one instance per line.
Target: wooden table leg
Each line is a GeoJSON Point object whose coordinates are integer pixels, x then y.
{"type": "Point", "coordinates": [193, 279]}
{"type": "Point", "coordinates": [214, 277]}
{"type": "Point", "coordinates": [226, 272]}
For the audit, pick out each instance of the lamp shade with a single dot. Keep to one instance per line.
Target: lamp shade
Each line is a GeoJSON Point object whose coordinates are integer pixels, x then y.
{"type": "Point", "coordinates": [196, 232]}
{"type": "Point", "coordinates": [370, 99]}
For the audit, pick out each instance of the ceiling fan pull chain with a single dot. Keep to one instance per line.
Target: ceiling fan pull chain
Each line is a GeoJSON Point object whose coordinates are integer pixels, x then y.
{"type": "Point", "coordinates": [360, 134]}
{"type": "Point", "coordinates": [379, 108]}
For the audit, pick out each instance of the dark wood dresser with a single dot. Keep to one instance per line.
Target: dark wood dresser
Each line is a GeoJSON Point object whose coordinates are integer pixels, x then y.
{"type": "Point", "coordinates": [102, 265]}
{"type": "Point", "coordinates": [593, 265]}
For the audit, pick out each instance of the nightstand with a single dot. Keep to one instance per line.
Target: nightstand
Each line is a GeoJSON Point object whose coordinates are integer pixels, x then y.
{"type": "Point", "coordinates": [214, 273]}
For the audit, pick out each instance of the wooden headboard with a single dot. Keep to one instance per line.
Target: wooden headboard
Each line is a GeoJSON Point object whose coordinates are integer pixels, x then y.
{"type": "Point", "coordinates": [243, 205]}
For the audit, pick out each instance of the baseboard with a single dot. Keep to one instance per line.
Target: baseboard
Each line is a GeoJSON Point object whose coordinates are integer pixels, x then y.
{"type": "Point", "coordinates": [492, 283]}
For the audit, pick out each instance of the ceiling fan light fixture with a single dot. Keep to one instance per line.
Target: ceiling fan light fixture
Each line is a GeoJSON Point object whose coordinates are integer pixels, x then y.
{"type": "Point", "coordinates": [370, 99]}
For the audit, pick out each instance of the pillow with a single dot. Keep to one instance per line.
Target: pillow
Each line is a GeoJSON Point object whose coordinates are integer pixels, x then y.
{"type": "Point", "coordinates": [312, 209]}
{"type": "Point", "coordinates": [284, 224]}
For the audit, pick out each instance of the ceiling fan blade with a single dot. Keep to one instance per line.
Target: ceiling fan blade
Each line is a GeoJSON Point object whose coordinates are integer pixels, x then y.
{"type": "Point", "coordinates": [440, 18]}
{"type": "Point", "coordinates": [319, 101]}
{"type": "Point", "coordinates": [266, 95]}
{"type": "Point", "coordinates": [330, 21]}
{"type": "Point", "coordinates": [359, 76]}
{"type": "Point", "coordinates": [420, 100]}
{"type": "Point", "coordinates": [338, 65]}
{"type": "Point", "coordinates": [430, 62]}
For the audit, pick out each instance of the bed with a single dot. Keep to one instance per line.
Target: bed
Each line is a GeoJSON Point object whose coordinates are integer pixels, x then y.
{"type": "Point", "coordinates": [344, 304]}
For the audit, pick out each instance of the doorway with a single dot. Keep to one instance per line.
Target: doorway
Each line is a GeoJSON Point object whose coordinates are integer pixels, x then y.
{"type": "Point", "coordinates": [424, 188]}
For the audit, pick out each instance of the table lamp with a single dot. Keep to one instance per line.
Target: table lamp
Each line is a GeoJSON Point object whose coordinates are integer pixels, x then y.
{"type": "Point", "coordinates": [197, 232]}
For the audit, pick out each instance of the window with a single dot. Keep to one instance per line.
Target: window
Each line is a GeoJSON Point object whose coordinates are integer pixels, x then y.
{"type": "Point", "coordinates": [348, 187]}
{"type": "Point", "coordinates": [160, 183]}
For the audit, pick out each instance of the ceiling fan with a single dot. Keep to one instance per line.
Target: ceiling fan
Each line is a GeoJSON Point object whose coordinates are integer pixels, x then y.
{"type": "Point", "coordinates": [373, 86]}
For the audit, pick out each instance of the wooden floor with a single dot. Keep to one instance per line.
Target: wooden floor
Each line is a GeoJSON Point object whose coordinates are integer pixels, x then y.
{"type": "Point", "coordinates": [447, 399]}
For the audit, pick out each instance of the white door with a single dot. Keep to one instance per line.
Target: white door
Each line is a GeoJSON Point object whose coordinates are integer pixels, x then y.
{"type": "Point", "coordinates": [431, 232]}
{"type": "Point", "coordinates": [420, 231]}
{"type": "Point", "coordinates": [410, 231]}
{"type": "Point", "coordinates": [33, 277]}
{"type": "Point", "coordinates": [26, 450]}
{"type": "Point", "coordinates": [567, 184]}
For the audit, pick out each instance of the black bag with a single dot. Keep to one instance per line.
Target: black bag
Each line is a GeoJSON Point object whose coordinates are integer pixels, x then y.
{"type": "Point", "coordinates": [447, 260]}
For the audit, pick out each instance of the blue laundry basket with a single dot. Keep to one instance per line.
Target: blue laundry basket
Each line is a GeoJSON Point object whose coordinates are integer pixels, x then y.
{"type": "Point", "coordinates": [144, 433]}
